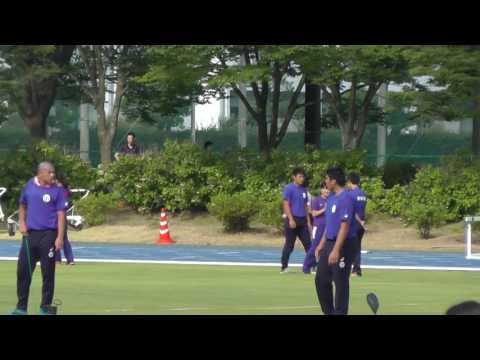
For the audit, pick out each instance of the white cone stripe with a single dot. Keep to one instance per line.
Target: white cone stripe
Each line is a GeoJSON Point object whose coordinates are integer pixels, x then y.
{"type": "Point", "coordinates": [163, 223]}
{"type": "Point", "coordinates": [163, 232]}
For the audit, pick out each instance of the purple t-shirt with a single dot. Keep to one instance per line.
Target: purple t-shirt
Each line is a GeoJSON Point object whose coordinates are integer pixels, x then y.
{"type": "Point", "coordinates": [339, 209]}
{"type": "Point", "coordinates": [318, 204]}
{"type": "Point", "coordinates": [359, 204]}
{"type": "Point", "coordinates": [42, 205]}
{"type": "Point", "coordinates": [297, 199]}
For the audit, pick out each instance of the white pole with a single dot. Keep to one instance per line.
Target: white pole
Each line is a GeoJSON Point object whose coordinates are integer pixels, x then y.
{"type": "Point", "coordinates": [469, 239]}
{"type": "Point", "coordinates": [84, 133]}
{"type": "Point", "coordinates": [193, 125]}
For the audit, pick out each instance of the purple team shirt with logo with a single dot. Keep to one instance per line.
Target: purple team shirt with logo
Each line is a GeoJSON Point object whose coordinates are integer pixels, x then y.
{"type": "Point", "coordinates": [297, 199]}
{"type": "Point", "coordinates": [359, 204]}
{"type": "Point", "coordinates": [42, 205]}
{"type": "Point", "coordinates": [339, 209]}
{"type": "Point", "coordinates": [318, 204]}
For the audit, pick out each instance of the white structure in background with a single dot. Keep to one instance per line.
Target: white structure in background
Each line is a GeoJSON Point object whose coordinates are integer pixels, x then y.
{"type": "Point", "coordinates": [111, 88]}
{"type": "Point", "coordinates": [223, 109]}
{"type": "Point", "coordinates": [193, 125]}
{"type": "Point", "coordinates": [84, 127]}
{"type": "Point", "coordinates": [461, 126]}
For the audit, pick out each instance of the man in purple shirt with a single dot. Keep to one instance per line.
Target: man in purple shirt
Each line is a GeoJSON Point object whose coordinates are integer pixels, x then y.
{"type": "Point", "coordinates": [337, 249]}
{"type": "Point", "coordinates": [317, 210]}
{"type": "Point", "coordinates": [359, 205]}
{"type": "Point", "coordinates": [297, 222]}
{"type": "Point", "coordinates": [42, 223]}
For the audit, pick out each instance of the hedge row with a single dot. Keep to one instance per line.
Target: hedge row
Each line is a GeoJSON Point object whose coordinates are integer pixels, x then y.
{"type": "Point", "coordinates": [238, 186]}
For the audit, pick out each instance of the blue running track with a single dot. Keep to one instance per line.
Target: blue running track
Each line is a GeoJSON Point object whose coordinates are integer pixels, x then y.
{"type": "Point", "coordinates": [210, 255]}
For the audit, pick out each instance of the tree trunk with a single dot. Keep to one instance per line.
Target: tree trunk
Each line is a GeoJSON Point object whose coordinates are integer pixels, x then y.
{"type": "Point", "coordinates": [276, 91]}
{"type": "Point", "coordinates": [312, 115]}
{"type": "Point", "coordinates": [37, 126]}
{"type": "Point", "coordinates": [105, 140]}
{"type": "Point", "coordinates": [40, 96]}
{"type": "Point", "coordinates": [260, 116]}
{"type": "Point", "coordinates": [349, 142]}
{"type": "Point", "coordinates": [105, 135]}
{"type": "Point", "coordinates": [263, 141]}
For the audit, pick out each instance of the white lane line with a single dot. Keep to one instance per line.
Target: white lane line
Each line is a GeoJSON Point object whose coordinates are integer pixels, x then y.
{"type": "Point", "coordinates": [285, 307]}
{"type": "Point", "coordinates": [256, 264]}
{"type": "Point", "coordinates": [242, 308]}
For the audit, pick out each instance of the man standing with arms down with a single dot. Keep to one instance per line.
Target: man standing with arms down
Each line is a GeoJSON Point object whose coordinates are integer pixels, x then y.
{"type": "Point", "coordinates": [359, 205]}
{"type": "Point", "coordinates": [297, 222]}
{"type": "Point", "coordinates": [337, 249]}
{"type": "Point", "coordinates": [42, 223]}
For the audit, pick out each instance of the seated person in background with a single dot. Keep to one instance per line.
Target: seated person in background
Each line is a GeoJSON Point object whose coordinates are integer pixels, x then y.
{"type": "Point", "coordinates": [130, 148]}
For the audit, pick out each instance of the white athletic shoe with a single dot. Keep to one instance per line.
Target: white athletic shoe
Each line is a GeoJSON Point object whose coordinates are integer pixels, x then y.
{"type": "Point", "coordinates": [284, 271]}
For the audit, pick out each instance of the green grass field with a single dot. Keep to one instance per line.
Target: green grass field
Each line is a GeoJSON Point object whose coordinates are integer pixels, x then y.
{"type": "Point", "coordinates": [126, 289]}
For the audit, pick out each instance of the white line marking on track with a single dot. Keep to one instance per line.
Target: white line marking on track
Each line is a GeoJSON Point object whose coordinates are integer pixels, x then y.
{"type": "Point", "coordinates": [254, 264]}
{"type": "Point", "coordinates": [286, 307]}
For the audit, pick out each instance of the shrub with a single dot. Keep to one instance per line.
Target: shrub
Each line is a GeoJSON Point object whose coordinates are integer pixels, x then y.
{"type": "Point", "coordinates": [395, 201]}
{"type": "Point", "coordinates": [270, 213]}
{"type": "Point", "coordinates": [317, 162]}
{"type": "Point", "coordinates": [425, 217]}
{"type": "Point", "coordinates": [20, 166]}
{"type": "Point", "coordinates": [95, 208]}
{"type": "Point", "coordinates": [398, 173]}
{"type": "Point", "coordinates": [234, 211]}
{"type": "Point", "coordinates": [463, 191]}
{"type": "Point", "coordinates": [259, 187]}
{"type": "Point", "coordinates": [218, 180]}
{"type": "Point", "coordinates": [373, 188]}
{"type": "Point", "coordinates": [179, 178]}
{"type": "Point", "coordinates": [428, 187]}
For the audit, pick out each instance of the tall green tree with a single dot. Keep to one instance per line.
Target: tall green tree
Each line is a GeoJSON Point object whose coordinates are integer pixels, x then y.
{"type": "Point", "coordinates": [350, 77]}
{"type": "Point", "coordinates": [29, 78]}
{"type": "Point", "coordinates": [104, 74]}
{"type": "Point", "coordinates": [202, 71]}
{"type": "Point", "coordinates": [448, 86]}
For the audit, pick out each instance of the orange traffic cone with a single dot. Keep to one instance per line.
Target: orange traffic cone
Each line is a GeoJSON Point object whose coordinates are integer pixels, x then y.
{"type": "Point", "coordinates": [164, 238]}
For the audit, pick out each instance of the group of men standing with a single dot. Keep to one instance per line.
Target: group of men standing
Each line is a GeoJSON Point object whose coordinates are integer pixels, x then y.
{"type": "Point", "coordinates": [333, 241]}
